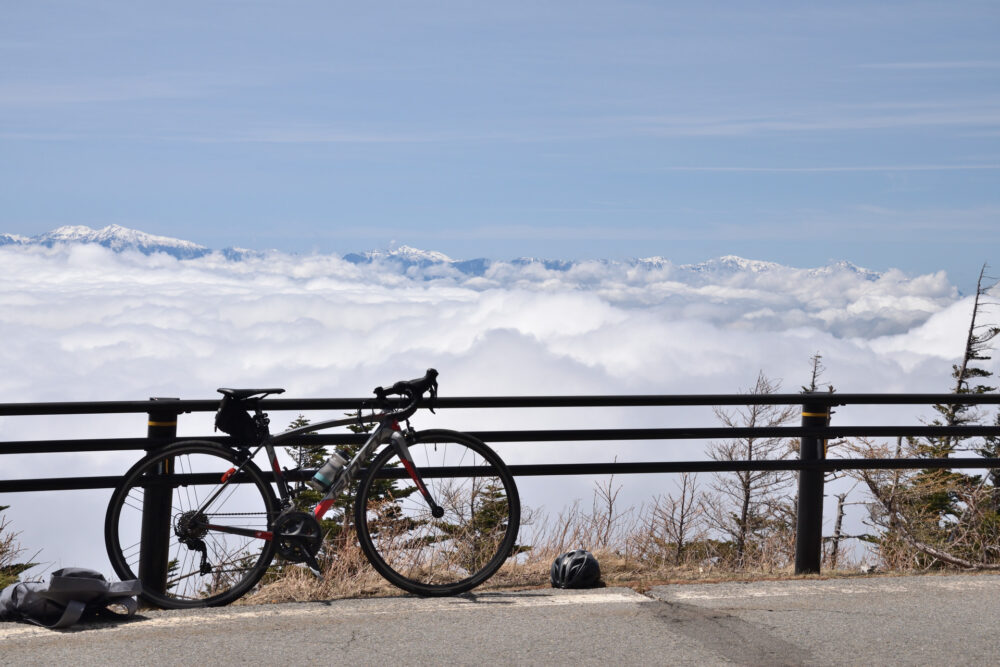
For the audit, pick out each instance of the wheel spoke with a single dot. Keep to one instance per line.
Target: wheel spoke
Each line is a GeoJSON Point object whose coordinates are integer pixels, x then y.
{"type": "Point", "coordinates": [452, 553]}
{"type": "Point", "coordinates": [235, 562]}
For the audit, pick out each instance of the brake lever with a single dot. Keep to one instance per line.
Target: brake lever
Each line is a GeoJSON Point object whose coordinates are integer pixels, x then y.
{"type": "Point", "coordinates": [433, 396]}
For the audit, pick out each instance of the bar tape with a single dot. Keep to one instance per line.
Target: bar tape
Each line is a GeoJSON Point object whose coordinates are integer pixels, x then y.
{"type": "Point", "coordinates": [815, 414]}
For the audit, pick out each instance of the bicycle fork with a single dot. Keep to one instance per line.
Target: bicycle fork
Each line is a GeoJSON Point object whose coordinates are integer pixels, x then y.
{"type": "Point", "coordinates": [402, 447]}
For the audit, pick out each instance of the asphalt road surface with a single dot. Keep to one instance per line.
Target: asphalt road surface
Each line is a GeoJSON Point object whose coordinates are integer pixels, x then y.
{"type": "Point", "coordinates": [930, 620]}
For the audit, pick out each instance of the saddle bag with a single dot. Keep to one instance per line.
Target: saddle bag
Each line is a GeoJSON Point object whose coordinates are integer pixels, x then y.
{"type": "Point", "coordinates": [233, 418]}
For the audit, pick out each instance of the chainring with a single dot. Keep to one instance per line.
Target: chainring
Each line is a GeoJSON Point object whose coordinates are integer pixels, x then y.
{"type": "Point", "coordinates": [297, 536]}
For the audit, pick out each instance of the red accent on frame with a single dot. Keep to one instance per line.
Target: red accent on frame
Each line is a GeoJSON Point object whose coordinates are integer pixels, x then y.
{"type": "Point", "coordinates": [275, 466]}
{"type": "Point", "coordinates": [413, 476]}
{"type": "Point", "coordinates": [264, 535]}
{"type": "Point", "coordinates": [323, 507]}
{"type": "Point", "coordinates": [395, 426]}
{"type": "Point", "coordinates": [229, 473]}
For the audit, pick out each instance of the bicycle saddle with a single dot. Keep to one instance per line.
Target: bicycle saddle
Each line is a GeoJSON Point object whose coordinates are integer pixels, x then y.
{"type": "Point", "coordinates": [240, 394]}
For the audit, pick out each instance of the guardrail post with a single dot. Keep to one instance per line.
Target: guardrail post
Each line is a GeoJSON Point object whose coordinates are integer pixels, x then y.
{"type": "Point", "coordinates": [154, 543]}
{"type": "Point", "coordinates": [809, 525]}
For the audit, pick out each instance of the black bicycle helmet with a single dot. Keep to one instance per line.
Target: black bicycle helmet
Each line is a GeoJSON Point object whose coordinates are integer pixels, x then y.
{"type": "Point", "coordinates": [575, 569]}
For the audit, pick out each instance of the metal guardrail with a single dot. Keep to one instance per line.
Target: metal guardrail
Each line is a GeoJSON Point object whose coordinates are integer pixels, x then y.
{"type": "Point", "coordinates": [814, 430]}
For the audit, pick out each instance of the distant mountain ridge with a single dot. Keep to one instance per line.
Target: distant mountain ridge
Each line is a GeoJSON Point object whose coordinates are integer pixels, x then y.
{"type": "Point", "coordinates": [123, 239]}
{"type": "Point", "coordinates": [113, 237]}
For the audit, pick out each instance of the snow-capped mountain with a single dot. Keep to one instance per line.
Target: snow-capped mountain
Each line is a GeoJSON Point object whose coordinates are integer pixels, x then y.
{"type": "Point", "coordinates": [12, 239]}
{"type": "Point", "coordinates": [405, 258]}
{"type": "Point", "coordinates": [729, 264]}
{"type": "Point", "coordinates": [403, 254]}
{"type": "Point", "coordinates": [120, 239]}
{"type": "Point", "coordinates": [732, 265]}
{"type": "Point", "coordinates": [846, 267]}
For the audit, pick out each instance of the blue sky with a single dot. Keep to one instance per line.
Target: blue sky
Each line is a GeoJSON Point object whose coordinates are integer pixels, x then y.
{"type": "Point", "coordinates": [781, 131]}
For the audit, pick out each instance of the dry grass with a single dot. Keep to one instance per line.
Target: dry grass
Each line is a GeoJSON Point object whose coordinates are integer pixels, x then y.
{"type": "Point", "coordinates": [345, 575]}
{"type": "Point", "coordinates": [630, 544]}
{"type": "Point", "coordinates": [297, 584]}
{"type": "Point", "coordinates": [11, 552]}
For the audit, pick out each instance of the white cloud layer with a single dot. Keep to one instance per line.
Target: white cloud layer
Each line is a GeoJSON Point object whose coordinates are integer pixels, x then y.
{"type": "Point", "coordinates": [85, 323]}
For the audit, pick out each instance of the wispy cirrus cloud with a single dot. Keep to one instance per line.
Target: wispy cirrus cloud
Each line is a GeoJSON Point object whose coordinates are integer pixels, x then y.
{"type": "Point", "coordinates": [936, 65]}
{"type": "Point", "coordinates": [296, 133]}
{"type": "Point", "coordinates": [57, 92]}
{"type": "Point", "coordinates": [837, 169]}
{"type": "Point", "coordinates": [969, 112]}
{"type": "Point", "coordinates": [985, 115]}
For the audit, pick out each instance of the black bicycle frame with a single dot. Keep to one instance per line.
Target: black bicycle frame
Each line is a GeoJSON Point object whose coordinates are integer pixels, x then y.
{"type": "Point", "coordinates": [386, 423]}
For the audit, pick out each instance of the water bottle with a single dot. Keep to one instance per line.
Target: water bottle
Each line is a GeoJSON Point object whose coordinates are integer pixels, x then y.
{"type": "Point", "coordinates": [325, 476]}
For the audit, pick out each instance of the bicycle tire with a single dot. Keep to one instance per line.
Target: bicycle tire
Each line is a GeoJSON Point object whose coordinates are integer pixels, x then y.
{"type": "Point", "coordinates": [237, 562]}
{"type": "Point", "coordinates": [439, 556]}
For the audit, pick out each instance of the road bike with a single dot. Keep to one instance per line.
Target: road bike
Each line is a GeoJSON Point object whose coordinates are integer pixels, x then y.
{"type": "Point", "coordinates": [436, 512]}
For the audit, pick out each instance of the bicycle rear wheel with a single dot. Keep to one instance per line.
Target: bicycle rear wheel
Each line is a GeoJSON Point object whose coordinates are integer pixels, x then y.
{"type": "Point", "coordinates": [443, 555]}
{"type": "Point", "coordinates": [183, 499]}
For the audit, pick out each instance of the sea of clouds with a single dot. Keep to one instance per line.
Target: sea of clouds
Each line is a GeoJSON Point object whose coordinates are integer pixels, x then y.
{"type": "Point", "coordinates": [81, 322]}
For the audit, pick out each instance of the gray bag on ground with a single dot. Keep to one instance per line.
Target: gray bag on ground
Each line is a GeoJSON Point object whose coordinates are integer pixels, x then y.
{"type": "Point", "coordinates": [72, 594]}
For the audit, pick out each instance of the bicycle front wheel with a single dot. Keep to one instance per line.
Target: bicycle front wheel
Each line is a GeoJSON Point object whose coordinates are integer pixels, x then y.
{"type": "Point", "coordinates": [194, 532]}
{"type": "Point", "coordinates": [448, 554]}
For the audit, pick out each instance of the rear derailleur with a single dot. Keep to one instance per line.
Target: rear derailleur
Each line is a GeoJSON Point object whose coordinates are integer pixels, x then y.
{"type": "Point", "coordinates": [190, 528]}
